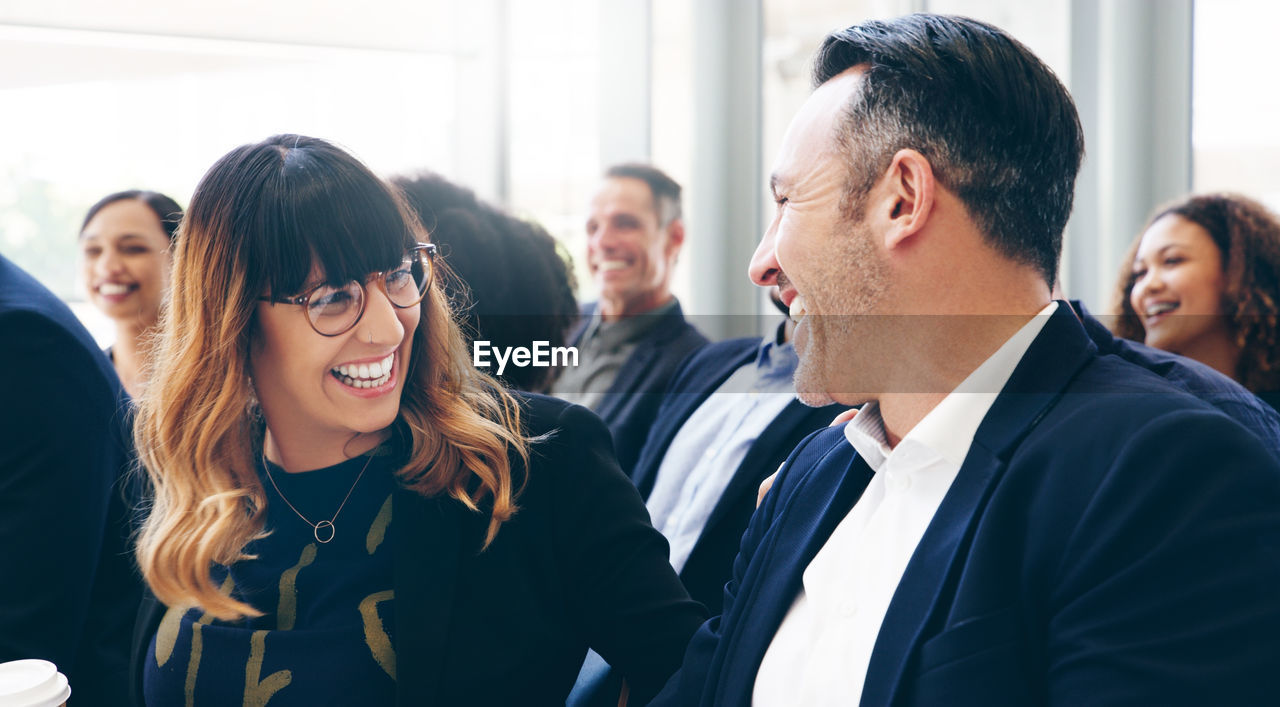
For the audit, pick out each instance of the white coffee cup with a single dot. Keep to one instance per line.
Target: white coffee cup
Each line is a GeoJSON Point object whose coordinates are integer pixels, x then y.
{"type": "Point", "coordinates": [32, 683]}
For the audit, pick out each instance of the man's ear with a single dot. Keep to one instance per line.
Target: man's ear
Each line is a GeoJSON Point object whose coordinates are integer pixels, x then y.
{"type": "Point", "coordinates": [675, 237]}
{"type": "Point", "coordinates": [910, 188]}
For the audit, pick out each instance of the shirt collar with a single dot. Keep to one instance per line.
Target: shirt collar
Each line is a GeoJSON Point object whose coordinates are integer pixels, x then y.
{"type": "Point", "coordinates": [866, 433]}
{"type": "Point", "coordinates": [625, 330]}
{"type": "Point", "coordinates": [949, 428]}
{"type": "Point", "coordinates": [774, 360]}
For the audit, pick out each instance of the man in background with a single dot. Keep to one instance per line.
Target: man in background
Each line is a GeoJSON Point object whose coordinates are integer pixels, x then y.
{"type": "Point", "coordinates": [730, 418]}
{"type": "Point", "coordinates": [632, 338]}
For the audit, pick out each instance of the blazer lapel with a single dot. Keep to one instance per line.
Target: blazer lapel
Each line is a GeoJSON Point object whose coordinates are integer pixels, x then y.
{"type": "Point", "coordinates": [646, 473]}
{"type": "Point", "coordinates": [635, 370]}
{"type": "Point", "coordinates": [1055, 356]}
{"type": "Point", "coordinates": [628, 381]}
{"type": "Point", "coordinates": [428, 538]}
{"type": "Point", "coordinates": [932, 568]}
{"type": "Point", "coordinates": [755, 466]}
{"type": "Point", "coordinates": [776, 574]}
{"type": "Point", "coordinates": [585, 312]}
{"type": "Point", "coordinates": [688, 402]}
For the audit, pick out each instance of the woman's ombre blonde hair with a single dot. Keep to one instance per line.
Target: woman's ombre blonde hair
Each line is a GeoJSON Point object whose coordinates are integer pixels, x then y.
{"type": "Point", "coordinates": [258, 220]}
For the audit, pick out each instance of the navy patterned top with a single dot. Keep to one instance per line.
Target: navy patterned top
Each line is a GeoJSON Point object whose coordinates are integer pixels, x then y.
{"type": "Point", "coordinates": [325, 636]}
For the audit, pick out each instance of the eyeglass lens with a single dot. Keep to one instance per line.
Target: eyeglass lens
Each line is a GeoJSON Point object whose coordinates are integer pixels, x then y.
{"type": "Point", "coordinates": [333, 310]}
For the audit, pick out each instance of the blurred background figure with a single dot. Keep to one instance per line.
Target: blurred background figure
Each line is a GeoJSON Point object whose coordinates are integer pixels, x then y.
{"type": "Point", "coordinates": [68, 593]}
{"type": "Point", "coordinates": [1203, 281]}
{"type": "Point", "coordinates": [125, 257]}
{"type": "Point", "coordinates": [729, 420]}
{"type": "Point", "coordinates": [513, 287]}
{"type": "Point", "coordinates": [635, 335]}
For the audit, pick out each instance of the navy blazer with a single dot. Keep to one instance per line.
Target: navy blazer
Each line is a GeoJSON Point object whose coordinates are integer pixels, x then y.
{"type": "Point", "coordinates": [577, 566]}
{"type": "Point", "coordinates": [1192, 376]}
{"type": "Point", "coordinates": [68, 590]}
{"type": "Point", "coordinates": [711, 561]}
{"type": "Point", "coordinates": [631, 403]}
{"type": "Point", "coordinates": [1108, 540]}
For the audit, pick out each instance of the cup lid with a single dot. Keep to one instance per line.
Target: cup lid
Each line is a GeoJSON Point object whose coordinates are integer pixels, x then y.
{"type": "Point", "coordinates": [32, 683]}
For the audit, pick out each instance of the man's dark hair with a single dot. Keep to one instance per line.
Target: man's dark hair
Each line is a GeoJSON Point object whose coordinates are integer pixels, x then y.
{"type": "Point", "coordinates": [665, 190]}
{"type": "Point", "coordinates": [507, 281]}
{"type": "Point", "coordinates": [997, 126]}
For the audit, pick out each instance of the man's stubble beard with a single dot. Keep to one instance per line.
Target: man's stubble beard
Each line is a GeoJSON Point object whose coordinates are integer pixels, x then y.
{"type": "Point", "coordinates": [858, 279]}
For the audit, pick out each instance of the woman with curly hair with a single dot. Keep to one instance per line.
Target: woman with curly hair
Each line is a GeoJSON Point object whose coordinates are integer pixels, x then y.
{"type": "Point", "coordinates": [1203, 281]}
{"type": "Point", "coordinates": [346, 511]}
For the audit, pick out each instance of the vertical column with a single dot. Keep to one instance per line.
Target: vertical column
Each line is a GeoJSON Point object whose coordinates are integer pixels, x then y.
{"type": "Point", "coordinates": [727, 187]}
{"type": "Point", "coordinates": [1131, 78]}
{"type": "Point", "coordinates": [624, 88]}
{"type": "Point", "coordinates": [481, 95]}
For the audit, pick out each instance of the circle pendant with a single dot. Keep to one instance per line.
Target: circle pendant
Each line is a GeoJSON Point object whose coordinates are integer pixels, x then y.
{"type": "Point", "coordinates": [324, 532]}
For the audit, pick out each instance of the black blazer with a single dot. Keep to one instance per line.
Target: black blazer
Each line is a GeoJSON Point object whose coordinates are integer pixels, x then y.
{"type": "Point", "coordinates": [68, 590]}
{"type": "Point", "coordinates": [711, 561]}
{"type": "Point", "coordinates": [630, 406]}
{"type": "Point", "coordinates": [577, 566]}
{"type": "Point", "coordinates": [1108, 539]}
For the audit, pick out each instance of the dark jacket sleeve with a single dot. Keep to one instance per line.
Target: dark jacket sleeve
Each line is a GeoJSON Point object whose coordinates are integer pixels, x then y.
{"type": "Point", "coordinates": [59, 458]}
{"type": "Point", "coordinates": [633, 609]}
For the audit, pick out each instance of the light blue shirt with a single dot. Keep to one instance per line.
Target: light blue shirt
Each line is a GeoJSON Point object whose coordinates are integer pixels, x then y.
{"type": "Point", "coordinates": [711, 445]}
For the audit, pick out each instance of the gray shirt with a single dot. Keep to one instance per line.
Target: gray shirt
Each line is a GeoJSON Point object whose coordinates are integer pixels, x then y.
{"type": "Point", "coordinates": [604, 348]}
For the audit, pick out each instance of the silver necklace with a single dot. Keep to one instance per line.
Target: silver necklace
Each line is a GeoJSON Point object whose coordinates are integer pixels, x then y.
{"type": "Point", "coordinates": [327, 525]}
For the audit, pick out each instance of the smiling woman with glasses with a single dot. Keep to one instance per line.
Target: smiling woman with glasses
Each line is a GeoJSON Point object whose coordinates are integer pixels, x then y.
{"type": "Point", "coordinates": [344, 508]}
{"type": "Point", "coordinates": [334, 309]}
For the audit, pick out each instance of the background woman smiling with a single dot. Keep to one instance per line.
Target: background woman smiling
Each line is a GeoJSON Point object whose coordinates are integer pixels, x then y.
{"type": "Point", "coordinates": [124, 254]}
{"type": "Point", "coordinates": [1203, 281]}
{"type": "Point", "coordinates": [345, 510]}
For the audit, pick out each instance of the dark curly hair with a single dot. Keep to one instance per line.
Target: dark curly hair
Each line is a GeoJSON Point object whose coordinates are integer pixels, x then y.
{"type": "Point", "coordinates": [513, 285]}
{"type": "Point", "coordinates": [1248, 237]}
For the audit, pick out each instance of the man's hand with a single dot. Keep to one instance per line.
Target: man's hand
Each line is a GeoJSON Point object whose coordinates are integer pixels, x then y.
{"type": "Point", "coordinates": [844, 417]}
{"type": "Point", "coordinates": [764, 487]}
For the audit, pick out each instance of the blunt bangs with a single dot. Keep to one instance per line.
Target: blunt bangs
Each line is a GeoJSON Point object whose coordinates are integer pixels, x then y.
{"type": "Point", "coordinates": [312, 202]}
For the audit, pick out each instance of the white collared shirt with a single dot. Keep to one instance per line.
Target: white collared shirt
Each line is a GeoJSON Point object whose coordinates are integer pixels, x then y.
{"type": "Point", "coordinates": [710, 446]}
{"type": "Point", "coordinates": [820, 653]}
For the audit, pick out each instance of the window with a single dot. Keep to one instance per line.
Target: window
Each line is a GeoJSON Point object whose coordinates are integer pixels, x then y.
{"type": "Point", "coordinates": [554, 161]}
{"type": "Point", "coordinates": [1234, 141]}
{"type": "Point", "coordinates": [108, 100]}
